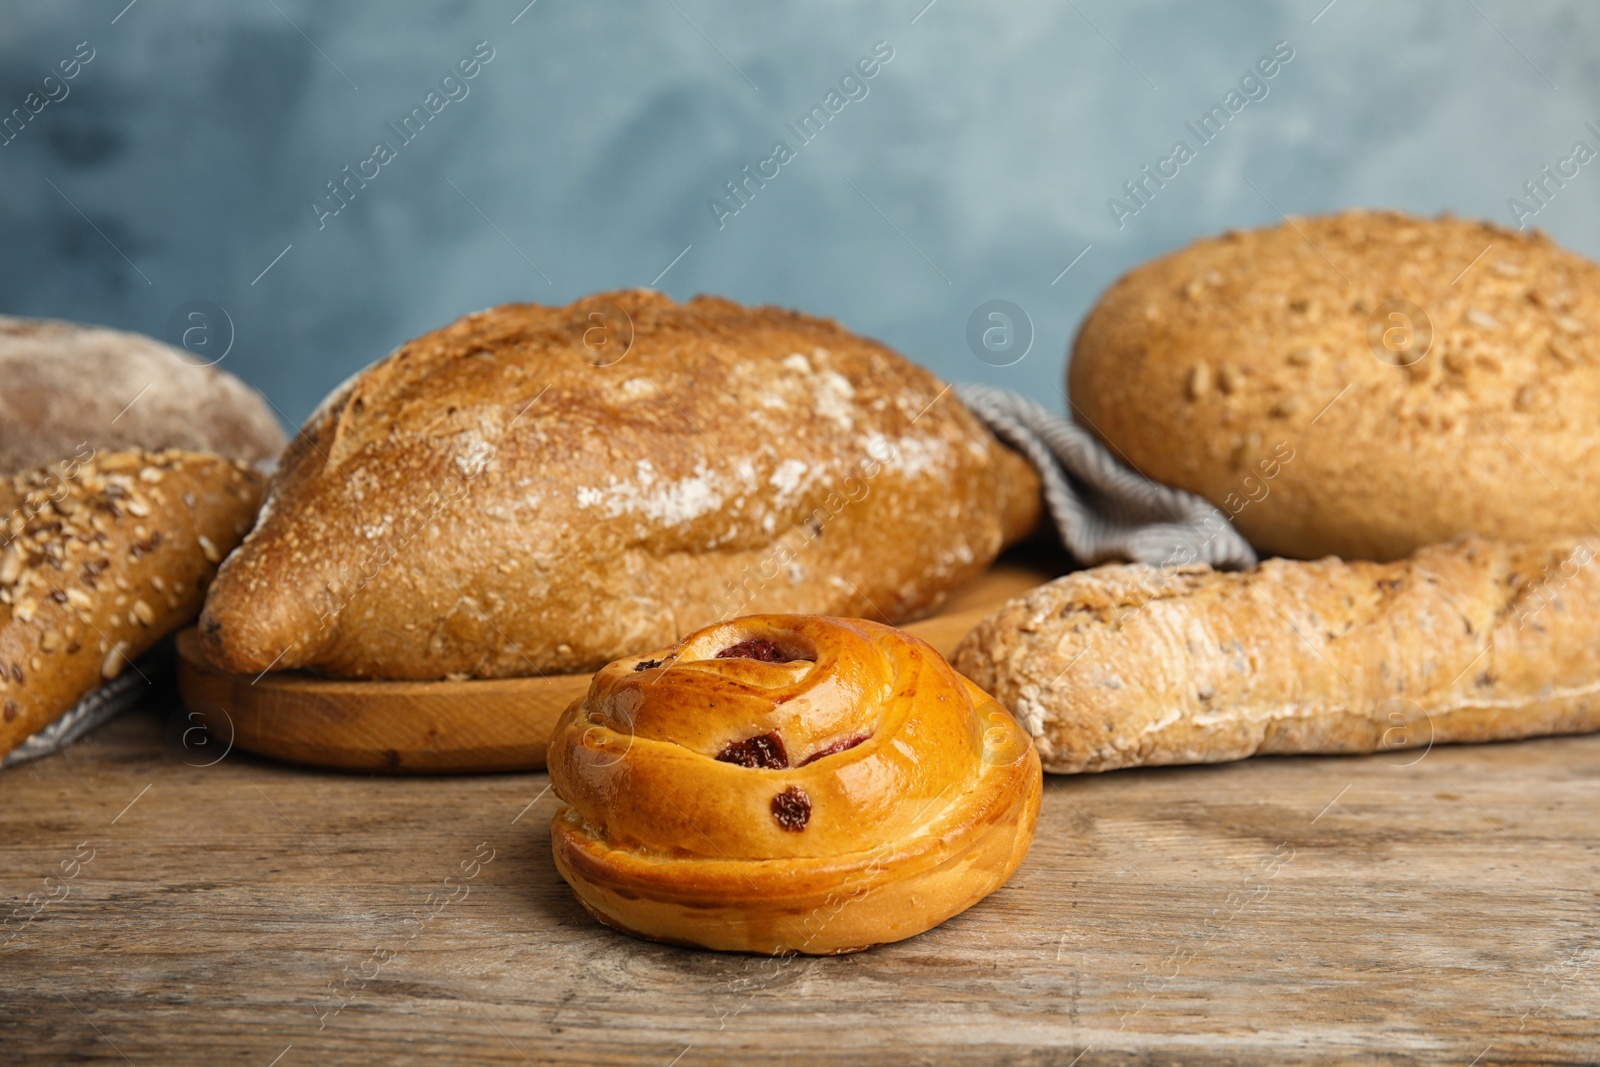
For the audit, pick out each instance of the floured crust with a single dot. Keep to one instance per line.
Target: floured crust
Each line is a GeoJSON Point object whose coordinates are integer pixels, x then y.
{"type": "Point", "coordinates": [1199, 366]}
{"type": "Point", "coordinates": [69, 385]}
{"type": "Point", "coordinates": [1129, 665]}
{"type": "Point", "coordinates": [485, 502]}
{"type": "Point", "coordinates": [911, 794]}
{"type": "Point", "coordinates": [100, 557]}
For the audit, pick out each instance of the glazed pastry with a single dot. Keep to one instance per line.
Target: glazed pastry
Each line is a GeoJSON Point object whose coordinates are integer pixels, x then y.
{"type": "Point", "coordinates": [1124, 666]}
{"type": "Point", "coordinates": [100, 557]}
{"type": "Point", "coordinates": [789, 784]}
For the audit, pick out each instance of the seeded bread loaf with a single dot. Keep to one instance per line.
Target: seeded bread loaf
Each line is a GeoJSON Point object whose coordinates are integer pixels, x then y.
{"type": "Point", "coordinates": [100, 557]}
{"type": "Point", "coordinates": [1430, 377]}
{"type": "Point", "coordinates": [68, 386]}
{"type": "Point", "coordinates": [543, 490]}
{"type": "Point", "coordinates": [1130, 665]}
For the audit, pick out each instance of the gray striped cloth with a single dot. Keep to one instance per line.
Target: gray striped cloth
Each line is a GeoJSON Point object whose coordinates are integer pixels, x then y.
{"type": "Point", "coordinates": [1102, 509]}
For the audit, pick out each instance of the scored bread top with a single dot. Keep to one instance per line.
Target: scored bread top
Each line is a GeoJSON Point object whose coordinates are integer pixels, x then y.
{"type": "Point", "coordinates": [488, 501]}
{"type": "Point", "coordinates": [1207, 367]}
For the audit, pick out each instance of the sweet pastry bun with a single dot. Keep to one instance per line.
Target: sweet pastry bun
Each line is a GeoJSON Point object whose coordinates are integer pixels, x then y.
{"type": "Point", "coordinates": [789, 784]}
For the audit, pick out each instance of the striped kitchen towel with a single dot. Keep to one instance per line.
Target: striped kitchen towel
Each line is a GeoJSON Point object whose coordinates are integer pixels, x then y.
{"type": "Point", "coordinates": [1103, 509]}
{"type": "Point", "coordinates": [98, 707]}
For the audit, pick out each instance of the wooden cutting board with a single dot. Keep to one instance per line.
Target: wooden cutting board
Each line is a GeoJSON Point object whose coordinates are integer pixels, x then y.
{"type": "Point", "coordinates": [499, 724]}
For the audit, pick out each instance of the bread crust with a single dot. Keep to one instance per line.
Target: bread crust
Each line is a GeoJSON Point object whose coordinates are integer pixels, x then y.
{"type": "Point", "coordinates": [487, 503]}
{"type": "Point", "coordinates": [1130, 665]}
{"type": "Point", "coordinates": [101, 557]}
{"type": "Point", "coordinates": [1195, 366]}
{"type": "Point", "coordinates": [918, 793]}
{"type": "Point", "coordinates": [70, 386]}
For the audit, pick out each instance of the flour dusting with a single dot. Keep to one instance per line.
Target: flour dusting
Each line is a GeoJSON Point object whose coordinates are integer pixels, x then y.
{"type": "Point", "coordinates": [787, 476]}
{"type": "Point", "coordinates": [671, 503]}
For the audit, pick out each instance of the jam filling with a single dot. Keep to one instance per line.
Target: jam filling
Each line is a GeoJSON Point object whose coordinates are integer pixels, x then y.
{"type": "Point", "coordinates": [792, 809]}
{"type": "Point", "coordinates": [838, 746]}
{"type": "Point", "coordinates": [758, 648]}
{"type": "Point", "coordinates": [764, 751]}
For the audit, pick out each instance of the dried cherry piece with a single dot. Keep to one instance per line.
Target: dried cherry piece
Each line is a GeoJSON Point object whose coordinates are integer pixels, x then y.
{"type": "Point", "coordinates": [758, 648]}
{"type": "Point", "coordinates": [765, 751]}
{"type": "Point", "coordinates": [647, 665]}
{"type": "Point", "coordinates": [838, 746]}
{"type": "Point", "coordinates": [792, 809]}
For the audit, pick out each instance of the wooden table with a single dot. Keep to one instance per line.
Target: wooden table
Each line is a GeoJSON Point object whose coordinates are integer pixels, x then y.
{"type": "Point", "coordinates": [1281, 910]}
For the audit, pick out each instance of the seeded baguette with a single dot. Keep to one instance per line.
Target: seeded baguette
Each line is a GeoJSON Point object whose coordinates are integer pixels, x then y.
{"type": "Point", "coordinates": [100, 557]}
{"type": "Point", "coordinates": [1123, 666]}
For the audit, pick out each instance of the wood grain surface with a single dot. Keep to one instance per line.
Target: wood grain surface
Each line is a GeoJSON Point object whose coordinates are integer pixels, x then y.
{"type": "Point", "coordinates": [223, 909]}
{"type": "Point", "coordinates": [498, 724]}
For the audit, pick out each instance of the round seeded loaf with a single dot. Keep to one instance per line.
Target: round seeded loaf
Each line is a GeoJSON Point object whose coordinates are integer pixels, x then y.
{"type": "Point", "coordinates": [1359, 384]}
{"type": "Point", "coordinates": [63, 385]}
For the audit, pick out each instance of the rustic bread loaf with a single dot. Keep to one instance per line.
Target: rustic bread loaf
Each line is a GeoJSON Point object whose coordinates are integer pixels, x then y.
{"type": "Point", "coordinates": [789, 783]}
{"type": "Point", "coordinates": [1469, 411]}
{"type": "Point", "coordinates": [100, 557]}
{"type": "Point", "coordinates": [1128, 665]}
{"type": "Point", "coordinates": [68, 385]}
{"type": "Point", "coordinates": [509, 495]}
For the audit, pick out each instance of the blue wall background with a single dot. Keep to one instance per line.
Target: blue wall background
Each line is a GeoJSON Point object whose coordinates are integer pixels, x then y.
{"type": "Point", "coordinates": [185, 155]}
